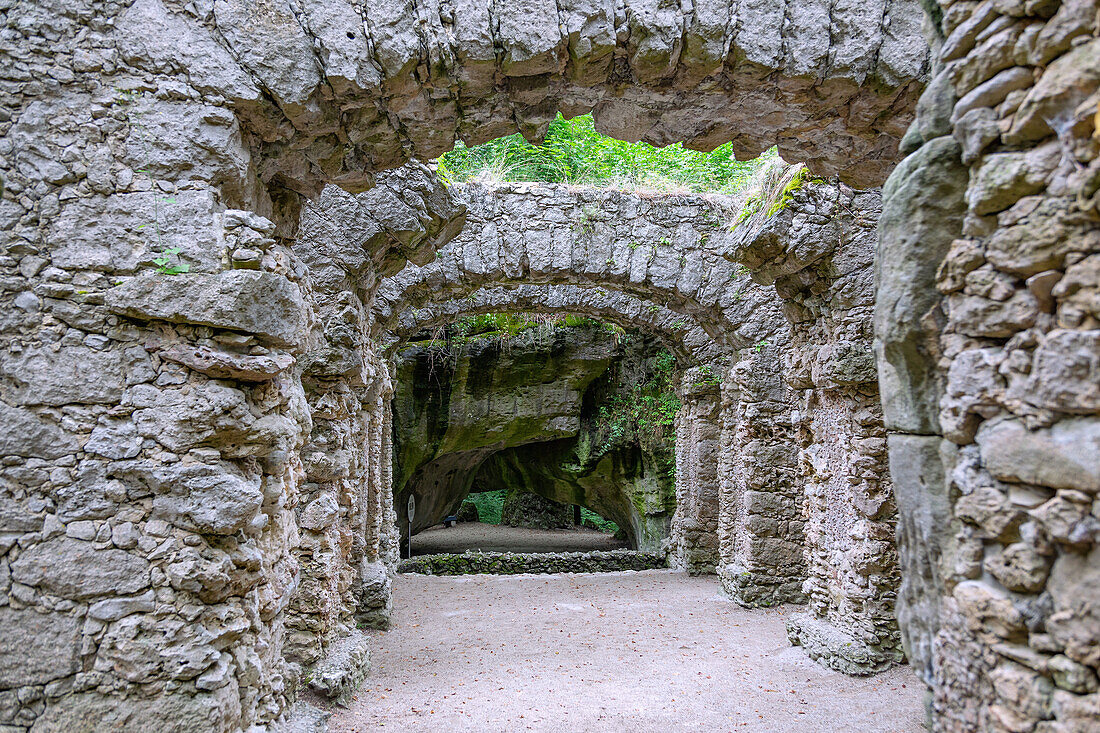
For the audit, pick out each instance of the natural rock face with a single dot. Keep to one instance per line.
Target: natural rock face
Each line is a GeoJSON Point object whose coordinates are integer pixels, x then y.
{"type": "Point", "coordinates": [526, 509]}
{"type": "Point", "coordinates": [986, 329]}
{"type": "Point", "coordinates": [452, 410]}
{"type": "Point", "coordinates": [521, 415]}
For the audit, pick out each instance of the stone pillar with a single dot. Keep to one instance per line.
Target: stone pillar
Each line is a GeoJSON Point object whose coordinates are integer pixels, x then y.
{"type": "Point", "coordinates": [760, 523]}
{"type": "Point", "coordinates": [380, 521]}
{"type": "Point", "coordinates": [694, 536]}
{"type": "Point", "coordinates": [850, 516]}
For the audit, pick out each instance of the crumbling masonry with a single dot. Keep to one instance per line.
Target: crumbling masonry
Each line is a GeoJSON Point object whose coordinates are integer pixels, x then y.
{"type": "Point", "coordinates": [195, 493]}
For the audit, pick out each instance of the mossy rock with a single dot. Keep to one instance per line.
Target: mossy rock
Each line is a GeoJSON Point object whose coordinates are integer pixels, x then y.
{"type": "Point", "coordinates": [523, 509]}
{"type": "Point", "coordinates": [468, 512]}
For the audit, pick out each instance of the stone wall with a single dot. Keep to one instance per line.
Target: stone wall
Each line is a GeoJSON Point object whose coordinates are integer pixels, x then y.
{"type": "Point", "coordinates": [986, 329]}
{"type": "Point", "coordinates": [694, 533]}
{"type": "Point", "coordinates": [509, 563]}
{"type": "Point", "coordinates": [331, 92]}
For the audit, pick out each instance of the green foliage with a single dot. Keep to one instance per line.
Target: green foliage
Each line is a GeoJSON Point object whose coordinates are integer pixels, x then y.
{"type": "Point", "coordinates": [800, 178]}
{"type": "Point", "coordinates": [490, 505]}
{"type": "Point", "coordinates": [575, 153]}
{"type": "Point", "coordinates": [592, 520]}
{"type": "Point", "coordinates": [507, 325]}
{"type": "Point", "coordinates": [707, 377]}
{"type": "Point", "coordinates": [169, 262]}
{"type": "Point", "coordinates": [644, 414]}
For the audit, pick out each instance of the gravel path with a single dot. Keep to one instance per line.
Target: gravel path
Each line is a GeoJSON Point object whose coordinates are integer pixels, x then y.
{"type": "Point", "coordinates": [502, 538]}
{"type": "Point", "coordinates": [650, 652]}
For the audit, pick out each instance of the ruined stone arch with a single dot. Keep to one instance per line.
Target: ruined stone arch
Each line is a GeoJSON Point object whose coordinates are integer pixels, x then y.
{"type": "Point", "coordinates": [228, 110]}
{"type": "Point", "coordinates": [680, 333]}
{"type": "Point", "coordinates": [663, 249]}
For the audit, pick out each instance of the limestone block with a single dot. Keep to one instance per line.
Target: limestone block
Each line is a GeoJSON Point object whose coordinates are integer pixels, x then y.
{"type": "Point", "coordinates": [1002, 179]}
{"type": "Point", "coordinates": [922, 213]}
{"type": "Point", "coordinates": [259, 303]}
{"type": "Point", "coordinates": [30, 435]}
{"type": "Point", "coordinates": [271, 44]}
{"type": "Point", "coordinates": [1065, 372]}
{"type": "Point", "coordinates": [123, 232]}
{"type": "Point", "coordinates": [43, 376]}
{"type": "Point", "coordinates": [151, 36]}
{"type": "Point", "coordinates": [1063, 84]}
{"type": "Point", "coordinates": [227, 365]}
{"type": "Point", "coordinates": [76, 569]}
{"type": "Point", "coordinates": [219, 710]}
{"type": "Point", "coordinates": [37, 647]}
{"type": "Point", "coordinates": [1037, 233]}
{"type": "Point", "coordinates": [924, 524]}
{"type": "Point", "coordinates": [91, 495]}
{"type": "Point", "coordinates": [1019, 567]}
{"type": "Point", "coordinates": [1078, 294]}
{"type": "Point", "coordinates": [1074, 586]}
{"type": "Point", "coordinates": [200, 497]}
{"type": "Point", "coordinates": [344, 668]}
{"type": "Point", "coordinates": [114, 438]}
{"type": "Point", "coordinates": [185, 417]}
{"type": "Point", "coordinates": [1064, 456]}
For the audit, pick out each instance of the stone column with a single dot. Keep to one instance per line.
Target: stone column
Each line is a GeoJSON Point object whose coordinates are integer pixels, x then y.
{"type": "Point", "coordinates": [760, 525]}
{"type": "Point", "coordinates": [694, 537]}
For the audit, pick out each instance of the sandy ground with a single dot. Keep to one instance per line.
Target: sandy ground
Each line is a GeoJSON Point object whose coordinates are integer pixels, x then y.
{"type": "Point", "coordinates": [650, 652]}
{"type": "Point", "coordinates": [501, 538]}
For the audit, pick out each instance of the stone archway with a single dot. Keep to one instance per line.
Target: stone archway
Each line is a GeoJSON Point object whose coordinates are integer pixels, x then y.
{"type": "Point", "coordinates": [134, 129]}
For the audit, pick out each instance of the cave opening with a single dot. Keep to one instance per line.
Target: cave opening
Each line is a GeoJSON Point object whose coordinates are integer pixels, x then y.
{"type": "Point", "coordinates": [553, 432]}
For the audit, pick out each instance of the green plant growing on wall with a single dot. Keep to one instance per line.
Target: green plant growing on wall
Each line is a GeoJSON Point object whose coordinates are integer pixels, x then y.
{"type": "Point", "coordinates": [708, 377]}
{"type": "Point", "coordinates": [169, 262]}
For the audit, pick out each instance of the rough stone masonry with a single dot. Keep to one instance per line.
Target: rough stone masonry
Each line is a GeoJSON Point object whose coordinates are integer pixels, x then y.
{"type": "Point", "coordinates": [194, 482]}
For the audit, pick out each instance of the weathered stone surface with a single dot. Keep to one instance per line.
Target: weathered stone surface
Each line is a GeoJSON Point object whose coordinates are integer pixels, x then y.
{"type": "Point", "coordinates": [836, 649]}
{"type": "Point", "coordinates": [191, 415]}
{"type": "Point", "coordinates": [1075, 622]}
{"type": "Point", "coordinates": [227, 365]}
{"type": "Point", "coordinates": [76, 569]}
{"type": "Point", "coordinates": [1019, 567]}
{"type": "Point", "coordinates": [28, 434]}
{"type": "Point", "coordinates": [344, 668]}
{"type": "Point", "coordinates": [114, 438]}
{"type": "Point", "coordinates": [922, 213]}
{"type": "Point", "coordinates": [202, 498]}
{"type": "Point", "coordinates": [80, 711]}
{"type": "Point", "coordinates": [40, 376]}
{"type": "Point", "coordinates": [1065, 373]}
{"type": "Point", "coordinates": [924, 516]}
{"type": "Point", "coordinates": [1064, 456]}
{"type": "Point", "coordinates": [259, 303]}
{"type": "Point", "coordinates": [36, 648]}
